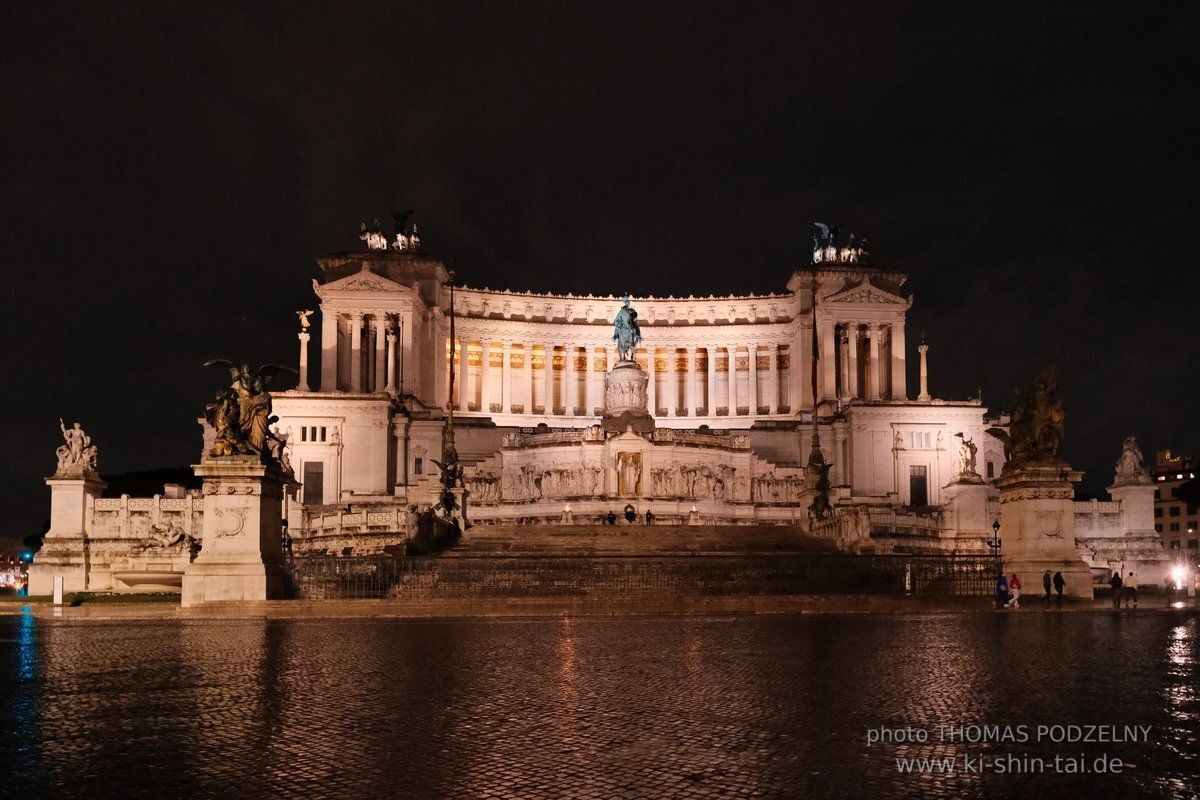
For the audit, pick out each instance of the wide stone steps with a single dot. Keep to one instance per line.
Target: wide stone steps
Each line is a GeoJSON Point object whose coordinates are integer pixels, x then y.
{"type": "Point", "coordinates": [633, 540]}
{"type": "Point", "coordinates": [603, 577]}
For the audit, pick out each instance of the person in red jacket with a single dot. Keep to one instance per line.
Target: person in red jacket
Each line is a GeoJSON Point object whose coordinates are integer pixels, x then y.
{"type": "Point", "coordinates": [1014, 589]}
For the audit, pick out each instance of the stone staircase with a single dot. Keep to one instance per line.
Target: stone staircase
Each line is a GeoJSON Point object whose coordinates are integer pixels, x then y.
{"type": "Point", "coordinates": [581, 541]}
{"type": "Point", "coordinates": [594, 564]}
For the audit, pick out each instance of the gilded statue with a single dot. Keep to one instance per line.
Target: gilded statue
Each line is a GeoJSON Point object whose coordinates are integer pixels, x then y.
{"type": "Point", "coordinates": [241, 413]}
{"type": "Point", "coordinates": [1036, 425]}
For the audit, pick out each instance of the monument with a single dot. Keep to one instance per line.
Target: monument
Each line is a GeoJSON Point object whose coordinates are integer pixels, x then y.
{"type": "Point", "coordinates": [74, 487]}
{"type": "Point", "coordinates": [1037, 510]}
{"type": "Point", "coordinates": [625, 384]}
{"type": "Point", "coordinates": [241, 543]}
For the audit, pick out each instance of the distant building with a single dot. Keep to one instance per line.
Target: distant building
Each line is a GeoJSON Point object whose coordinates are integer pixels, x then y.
{"type": "Point", "coordinates": [1176, 520]}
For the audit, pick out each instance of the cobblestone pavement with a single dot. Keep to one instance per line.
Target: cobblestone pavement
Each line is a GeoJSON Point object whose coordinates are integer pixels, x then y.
{"type": "Point", "coordinates": [775, 706]}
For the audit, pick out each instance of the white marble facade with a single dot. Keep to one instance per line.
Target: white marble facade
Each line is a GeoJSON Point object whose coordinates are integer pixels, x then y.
{"type": "Point", "coordinates": [732, 364]}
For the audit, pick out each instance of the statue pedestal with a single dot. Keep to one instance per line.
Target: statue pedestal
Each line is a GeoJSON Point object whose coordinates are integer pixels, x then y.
{"type": "Point", "coordinates": [1138, 548]}
{"type": "Point", "coordinates": [966, 512]}
{"type": "Point", "coordinates": [241, 555]}
{"type": "Point", "coordinates": [65, 549]}
{"type": "Point", "coordinates": [625, 400]}
{"type": "Point", "coordinates": [1037, 527]}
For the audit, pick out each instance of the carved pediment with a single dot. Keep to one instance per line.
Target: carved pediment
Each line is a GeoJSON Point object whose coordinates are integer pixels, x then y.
{"type": "Point", "coordinates": [866, 292]}
{"type": "Point", "coordinates": [364, 282]}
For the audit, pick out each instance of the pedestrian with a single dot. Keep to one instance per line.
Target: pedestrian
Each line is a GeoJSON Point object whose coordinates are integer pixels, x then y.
{"type": "Point", "coordinates": [1014, 591]}
{"type": "Point", "coordinates": [1060, 583]}
{"type": "Point", "coordinates": [1131, 590]}
{"type": "Point", "coordinates": [1169, 591]}
{"type": "Point", "coordinates": [649, 517]}
{"type": "Point", "coordinates": [1115, 583]}
{"type": "Point", "coordinates": [1001, 591]}
{"type": "Point", "coordinates": [1046, 586]}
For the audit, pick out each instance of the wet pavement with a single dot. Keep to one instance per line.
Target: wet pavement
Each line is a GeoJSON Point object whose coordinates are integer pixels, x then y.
{"type": "Point", "coordinates": [592, 707]}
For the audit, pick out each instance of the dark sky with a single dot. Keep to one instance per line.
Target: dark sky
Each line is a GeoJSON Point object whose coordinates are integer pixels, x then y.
{"type": "Point", "coordinates": [170, 172]}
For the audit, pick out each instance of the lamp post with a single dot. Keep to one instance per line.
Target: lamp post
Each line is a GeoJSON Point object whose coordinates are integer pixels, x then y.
{"type": "Point", "coordinates": [994, 544]}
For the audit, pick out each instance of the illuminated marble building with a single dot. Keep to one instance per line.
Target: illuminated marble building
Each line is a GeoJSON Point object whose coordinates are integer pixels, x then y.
{"type": "Point", "coordinates": [730, 381]}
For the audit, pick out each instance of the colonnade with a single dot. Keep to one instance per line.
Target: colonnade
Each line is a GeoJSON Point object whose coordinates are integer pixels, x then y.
{"type": "Point", "coordinates": [375, 352]}
{"type": "Point", "coordinates": [365, 352]}
{"type": "Point", "coordinates": [870, 360]}
{"type": "Point", "coordinates": [544, 378]}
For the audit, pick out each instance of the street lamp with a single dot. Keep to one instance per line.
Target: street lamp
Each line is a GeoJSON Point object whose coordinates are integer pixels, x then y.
{"type": "Point", "coordinates": [995, 542]}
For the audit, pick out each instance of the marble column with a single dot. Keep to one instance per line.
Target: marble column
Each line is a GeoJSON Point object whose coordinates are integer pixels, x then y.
{"type": "Point", "coordinates": [589, 391]}
{"type": "Point", "coordinates": [302, 384]}
{"type": "Point", "coordinates": [876, 363]}
{"type": "Point", "coordinates": [711, 398]}
{"type": "Point", "coordinates": [752, 377]}
{"type": "Point", "coordinates": [380, 353]}
{"type": "Point", "coordinates": [461, 354]}
{"type": "Point", "coordinates": [548, 376]}
{"type": "Point", "coordinates": [329, 354]}
{"type": "Point", "coordinates": [506, 377]}
{"type": "Point", "coordinates": [570, 385]}
{"type": "Point", "coordinates": [829, 354]}
{"type": "Point", "coordinates": [673, 381]}
{"type": "Point", "coordinates": [923, 349]}
{"type": "Point", "coordinates": [485, 377]}
{"type": "Point", "coordinates": [690, 381]}
{"type": "Point", "coordinates": [851, 373]}
{"type": "Point", "coordinates": [773, 379]}
{"type": "Point", "coordinates": [391, 360]}
{"type": "Point", "coordinates": [406, 349]}
{"type": "Point", "coordinates": [898, 363]}
{"type": "Point", "coordinates": [843, 363]}
{"type": "Point", "coordinates": [356, 360]}
{"type": "Point", "coordinates": [651, 389]}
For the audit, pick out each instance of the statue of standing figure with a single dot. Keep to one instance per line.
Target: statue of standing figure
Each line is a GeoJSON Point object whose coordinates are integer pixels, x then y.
{"type": "Point", "coordinates": [967, 450]}
{"type": "Point", "coordinates": [626, 332]}
{"type": "Point", "coordinates": [78, 454]}
{"type": "Point", "coordinates": [1130, 468]}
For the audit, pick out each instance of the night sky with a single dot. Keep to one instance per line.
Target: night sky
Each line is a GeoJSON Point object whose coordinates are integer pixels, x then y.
{"type": "Point", "coordinates": [170, 173]}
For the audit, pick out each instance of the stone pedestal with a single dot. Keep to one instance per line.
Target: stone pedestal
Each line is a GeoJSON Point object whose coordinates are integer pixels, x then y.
{"type": "Point", "coordinates": [1139, 549]}
{"type": "Point", "coordinates": [65, 549]}
{"type": "Point", "coordinates": [1037, 527]}
{"type": "Point", "coordinates": [966, 513]}
{"type": "Point", "coordinates": [241, 544]}
{"type": "Point", "coordinates": [625, 400]}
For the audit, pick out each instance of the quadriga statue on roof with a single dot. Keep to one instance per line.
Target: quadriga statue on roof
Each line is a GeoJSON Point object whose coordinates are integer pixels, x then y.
{"type": "Point", "coordinates": [241, 413]}
{"type": "Point", "coordinates": [626, 332]}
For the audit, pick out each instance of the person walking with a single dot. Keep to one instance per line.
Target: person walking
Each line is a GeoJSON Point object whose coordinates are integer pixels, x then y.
{"type": "Point", "coordinates": [1115, 583]}
{"type": "Point", "coordinates": [1014, 592]}
{"type": "Point", "coordinates": [1046, 586]}
{"type": "Point", "coordinates": [1131, 590]}
{"type": "Point", "coordinates": [649, 517]}
{"type": "Point", "coordinates": [1001, 591]}
{"type": "Point", "coordinates": [1169, 591]}
{"type": "Point", "coordinates": [1060, 583]}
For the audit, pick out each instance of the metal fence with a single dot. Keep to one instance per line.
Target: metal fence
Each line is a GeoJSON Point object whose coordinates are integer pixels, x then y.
{"type": "Point", "coordinates": [332, 577]}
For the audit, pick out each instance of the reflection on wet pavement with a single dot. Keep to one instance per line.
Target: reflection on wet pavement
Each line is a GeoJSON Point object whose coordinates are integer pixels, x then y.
{"type": "Point", "coordinates": [588, 707]}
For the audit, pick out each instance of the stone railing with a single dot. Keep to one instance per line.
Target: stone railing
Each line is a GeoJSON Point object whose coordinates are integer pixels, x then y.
{"type": "Point", "coordinates": [738, 442]}
{"type": "Point", "coordinates": [394, 519]}
{"type": "Point", "coordinates": [892, 521]}
{"type": "Point", "coordinates": [367, 531]}
{"type": "Point", "coordinates": [114, 512]}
